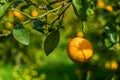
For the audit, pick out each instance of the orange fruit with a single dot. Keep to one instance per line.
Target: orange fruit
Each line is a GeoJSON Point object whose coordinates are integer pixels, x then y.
{"type": "Point", "coordinates": [34, 13]}
{"type": "Point", "coordinates": [109, 8]}
{"type": "Point", "coordinates": [100, 4]}
{"type": "Point", "coordinates": [80, 34]}
{"type": "Point", "coordinates": [80, 50]}
{"type": "Point", "coordinates": [10, 14]}
{"type": "Point", "coordinates": [9, 25]}
{"type": "Point", "coordinates": [19, 15]}
{"type": "Point", "coordinates": [112, 65]}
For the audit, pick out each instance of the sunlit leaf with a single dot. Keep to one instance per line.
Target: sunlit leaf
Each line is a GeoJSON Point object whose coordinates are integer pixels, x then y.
{"type": "Point", "coordinates": [108, 43]}
{"type": "Point", "coordinates": [51, 42]}
{"type": "Point", "coordinates": [3, 9]}
{"type": "Point", "coordinates": [111, 33]}
{"type": "Point", "coordinates": [21, 35]}
{"type": "Point", "coordinates": [113, 37]}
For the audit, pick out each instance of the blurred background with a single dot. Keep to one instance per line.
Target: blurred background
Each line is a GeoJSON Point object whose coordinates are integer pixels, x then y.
{"type": "Point", "coordinates": [20, 62]}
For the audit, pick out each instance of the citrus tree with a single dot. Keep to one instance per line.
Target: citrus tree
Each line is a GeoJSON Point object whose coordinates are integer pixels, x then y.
{"type": "Point", "coordinates": [97, 27]}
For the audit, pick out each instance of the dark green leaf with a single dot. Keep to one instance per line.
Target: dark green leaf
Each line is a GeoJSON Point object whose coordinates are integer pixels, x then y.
{"type": "Point", "coordinates": [49, 7]}
{"type": "Point", "coordinates": [51, 42]}
{"type": "Point", "coordinates": [83, 8]}
{"type": "Point", "coordinates": [21, 35]}
{"type": "Point", "coordinates": [109, 76]}
{"type": "Point", "coordinates": [3, 9]}
{"type": "Point", "coordinates": [16, 3]}
{"type": "Point", "coordinates": [38, 25]}
{"type": "Point", "coordinates": [24, 7]}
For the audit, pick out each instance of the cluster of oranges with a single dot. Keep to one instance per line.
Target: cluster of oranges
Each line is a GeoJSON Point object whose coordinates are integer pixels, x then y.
{"type": "Point", "coordinates": [80, 49]}
{"type": "Point", "coordinates": [20, 16]}
{"type": "Point", "coordinates": [101, 5]}
{"type": "Point", "coordinates": [16, 14]}
{"type": "Point", "coordinates": [111, 65]}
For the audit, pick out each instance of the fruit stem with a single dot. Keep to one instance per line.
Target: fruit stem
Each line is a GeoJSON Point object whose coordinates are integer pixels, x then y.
{"type": "Point", "coordinates": [83, 25]}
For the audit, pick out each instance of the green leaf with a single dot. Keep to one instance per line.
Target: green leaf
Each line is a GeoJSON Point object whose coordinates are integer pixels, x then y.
{"type": "Point", "coordinates": [109, 76]}
{"type": "Point", "coordinates": [51, 41]}
{"type": "Point", "coordinates": [83, 8]}
{"type": "Point", "coordinates": [21, 35]}
{"type": "Point", "coordinates": [113, 37]}
{"type": "Point", "coordinates": [78, 8]}
{"type": "Point", "coordinates": [111, 33]}
{"type": "Point", "coordinates": [3, 1]}
{"type": "Point", "coordinates": [89, 76]}
{"type": "Point", "coordinates": [3, 9]}
{"type": "Point", "coordinates": [108, 43]}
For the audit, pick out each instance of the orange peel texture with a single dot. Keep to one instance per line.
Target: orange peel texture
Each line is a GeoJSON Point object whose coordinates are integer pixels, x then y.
{"type": "Point", "coordinates": [80, 50]}
{"type": "Point", "coordinates": [19, 15]}
{"type": "Point", "coordinates": [34, 13]}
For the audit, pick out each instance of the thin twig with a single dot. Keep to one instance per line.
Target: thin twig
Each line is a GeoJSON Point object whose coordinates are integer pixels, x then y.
{"type": "Point", "coordinates": [40, 15]}
{"type": "Point", "coordinates": [61, 13]}
{"type": "Point", "coordinates": [9, 32]}
{"type": "Point", "coordinates": [26, 22]}
{"type": "Point", "coordinates": [49, 12]}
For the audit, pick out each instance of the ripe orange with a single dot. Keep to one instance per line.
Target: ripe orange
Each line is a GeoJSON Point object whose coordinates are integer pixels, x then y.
{"type": "Point", "coordinates": [80, 34]}
{"type": "Point", "coordinates": [100, 4]}
{"type": "Point", "coordinates": [10, 14]}
{"type": "Point", "coordinates": [109, 8]}
{"type": "Point", "coordinates": [112, 65]}
{"type": "Point", "coordinates": [34, 13]}
{"type": "Point", "coordinates": [19, 15]}
{"type": "Point", "coordinates": [80, 50]}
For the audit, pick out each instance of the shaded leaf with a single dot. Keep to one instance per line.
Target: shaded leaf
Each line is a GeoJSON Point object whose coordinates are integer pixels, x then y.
{"type": "Point", "coordinates": [21, 35]}
{"type": "Point", "coordinates": [83, 8]}
{"type": "Point", "coordinates": [80, 8]}
{"type": "Point", "coordinates": [38, 25]}
{"type": "Point", "coordinates": [24, 7]}
{"type": "Point", "coordinates": [51, 42]}
{"type": "Point", "coordinates": [49, 7]}
{"type": "Point", "coordinates": [109, 76]}
{"type": "Point", "coordinates": [16, 3]}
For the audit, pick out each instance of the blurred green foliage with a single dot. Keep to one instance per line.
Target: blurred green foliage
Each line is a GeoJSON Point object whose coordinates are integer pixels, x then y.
{"type": "Point", "coordinates": [21, 62]}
